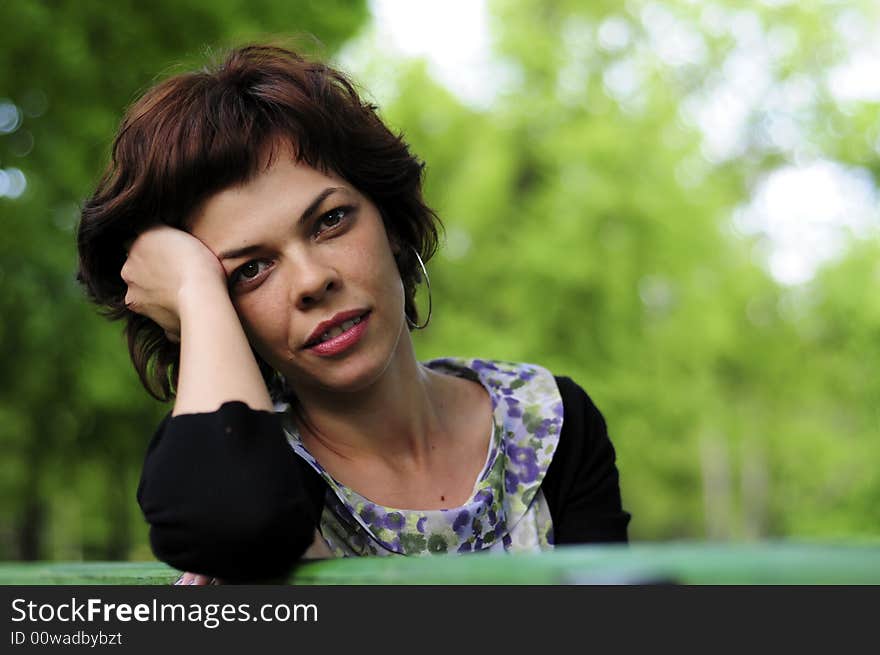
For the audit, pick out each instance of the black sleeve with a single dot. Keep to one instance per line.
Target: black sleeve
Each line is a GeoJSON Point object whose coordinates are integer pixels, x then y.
{"type": "Point", "coordinates": [581, 485]}
{"type": "Point", "coordinates": [226, 496]}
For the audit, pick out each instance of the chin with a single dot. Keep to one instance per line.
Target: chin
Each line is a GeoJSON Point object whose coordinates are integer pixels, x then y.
{"type": "Point", "coordinates": [355, 375]}
{"type": "Point", "coordinates": [349, 375]}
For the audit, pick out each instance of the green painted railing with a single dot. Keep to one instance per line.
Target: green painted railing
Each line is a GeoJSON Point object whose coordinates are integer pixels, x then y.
{"type": "Point", "coordinates": [640, 563]}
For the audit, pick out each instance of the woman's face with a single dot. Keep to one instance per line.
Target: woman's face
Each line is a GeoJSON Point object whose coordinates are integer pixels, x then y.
{"type": "Point", "coordinates": [300, 248]}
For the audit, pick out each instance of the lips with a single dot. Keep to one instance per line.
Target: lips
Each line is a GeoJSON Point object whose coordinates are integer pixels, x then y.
{"type": "Point", "coordinates": [342, 342]}
{"type": "Point", "coordinates": [332, 328]}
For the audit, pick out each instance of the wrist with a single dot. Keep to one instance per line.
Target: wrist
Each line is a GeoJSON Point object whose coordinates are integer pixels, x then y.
{"type": "Point", "coordinates": [199, 292]}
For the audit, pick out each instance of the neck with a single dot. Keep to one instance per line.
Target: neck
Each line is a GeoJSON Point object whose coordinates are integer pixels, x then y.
{"type": "Point", "coordinates": [397, 419]}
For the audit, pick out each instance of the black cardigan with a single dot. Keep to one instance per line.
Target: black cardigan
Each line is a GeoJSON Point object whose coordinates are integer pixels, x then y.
{"type": "Point", "coordinates": [226, 496]}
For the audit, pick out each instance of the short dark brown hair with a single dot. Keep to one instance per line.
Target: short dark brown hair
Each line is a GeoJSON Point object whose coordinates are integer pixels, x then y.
{"type": "Point", "coordinates": [198, 133]}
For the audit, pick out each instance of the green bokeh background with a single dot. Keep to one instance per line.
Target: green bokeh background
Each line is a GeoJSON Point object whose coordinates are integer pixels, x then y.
{"type": "Point", "coordinates": [586, 231]}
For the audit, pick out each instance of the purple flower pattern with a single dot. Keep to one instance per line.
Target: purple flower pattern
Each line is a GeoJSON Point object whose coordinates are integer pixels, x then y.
{"type": "Point", "coordinates": [507, 512]}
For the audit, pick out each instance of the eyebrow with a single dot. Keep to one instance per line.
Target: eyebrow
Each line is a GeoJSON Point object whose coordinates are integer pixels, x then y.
{"type": "Point", "coordinates": [237, 253]}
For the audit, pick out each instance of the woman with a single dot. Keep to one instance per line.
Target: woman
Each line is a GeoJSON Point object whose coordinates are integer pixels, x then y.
{"type": "Point", "coordinates": [263, 233]}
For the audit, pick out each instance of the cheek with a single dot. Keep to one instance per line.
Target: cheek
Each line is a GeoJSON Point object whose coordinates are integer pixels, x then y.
{"type": "Point", "coordinates": [397, 285]}
{"type": "Point", "coordinates": [390, 285]}
{"type": "Point", "coordinates": [263, 317]}
{"type": "Point", "coordinates": [385, 266]}
{"type": "Point", "coordinates": [368, 262]}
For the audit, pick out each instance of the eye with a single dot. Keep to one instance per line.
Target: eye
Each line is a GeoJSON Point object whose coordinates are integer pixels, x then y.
{"type": "Point", "coordinates": [333, 218]}
{"type": "Point", "coordinates": [248, 272]}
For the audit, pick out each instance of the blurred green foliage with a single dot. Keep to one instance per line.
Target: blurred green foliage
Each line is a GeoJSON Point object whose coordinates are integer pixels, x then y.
{"type": "Point", "coordinates": [587, 231]}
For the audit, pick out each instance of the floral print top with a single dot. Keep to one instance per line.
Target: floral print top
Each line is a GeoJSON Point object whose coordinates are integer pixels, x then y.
{"type": "Point", "coordinates": [506, 511]}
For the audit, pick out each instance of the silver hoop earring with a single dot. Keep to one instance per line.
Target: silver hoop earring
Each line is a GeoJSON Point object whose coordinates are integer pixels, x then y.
{"type": "Point", "coordinates": [430, 300]}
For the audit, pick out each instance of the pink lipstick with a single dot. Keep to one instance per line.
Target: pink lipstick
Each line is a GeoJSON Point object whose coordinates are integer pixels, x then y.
{"type": "Point", "coordinates": [352, 330]}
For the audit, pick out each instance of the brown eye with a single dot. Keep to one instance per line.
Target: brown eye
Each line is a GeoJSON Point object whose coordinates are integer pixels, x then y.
{"type": "Point", "coordinates": [250, 270]}
{"type": "Point", "coordinates": [333, 218]}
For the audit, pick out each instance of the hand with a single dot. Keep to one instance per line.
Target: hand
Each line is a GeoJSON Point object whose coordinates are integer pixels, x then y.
{"type": "Point", "coordinates": [160, 261]}
{"type": "Point", "coordinates": [197, 579]}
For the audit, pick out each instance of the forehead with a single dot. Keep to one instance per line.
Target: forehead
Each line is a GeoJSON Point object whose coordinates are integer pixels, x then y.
{"type": "Point", "coordinates": [282, 190]}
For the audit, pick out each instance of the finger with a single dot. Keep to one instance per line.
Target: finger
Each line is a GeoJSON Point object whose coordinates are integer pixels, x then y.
{"type": "Point", "coordinates": [184, 579]}
{"type": "Point", "coordinates": [131, 301]}
{"type": "Point", "coordinates": [199, 579]}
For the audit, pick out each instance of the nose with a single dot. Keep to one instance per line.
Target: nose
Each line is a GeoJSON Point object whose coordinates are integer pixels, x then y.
{"type": "Point", "coordinates": [313, 279]}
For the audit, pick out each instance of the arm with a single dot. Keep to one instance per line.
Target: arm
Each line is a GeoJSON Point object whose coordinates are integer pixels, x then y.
{"type": "Point", "coordinates": [220, 486]}
{"type": "Point", "coordinates": [176, 281]}
{"type": "Point", "coordinates": [581, 485]}
{"type": "Point", "coordinates": [226, 496]}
